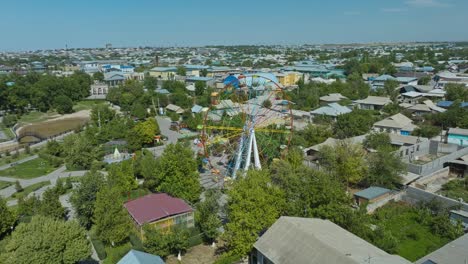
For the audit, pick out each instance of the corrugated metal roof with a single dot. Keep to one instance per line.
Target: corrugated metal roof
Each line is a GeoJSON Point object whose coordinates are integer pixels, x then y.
{"type": "Point", "coordinates": [156, 206]}
{"type": "Point", "coordinates": [138, 257]}
{"type": "Point", "coordinates": [372, 192]}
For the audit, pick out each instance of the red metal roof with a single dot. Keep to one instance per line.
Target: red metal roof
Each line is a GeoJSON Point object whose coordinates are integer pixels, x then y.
{"type": "Point", "coordinates": [156, 206]}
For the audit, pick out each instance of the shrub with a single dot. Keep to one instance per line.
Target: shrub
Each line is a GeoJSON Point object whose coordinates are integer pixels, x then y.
{"type": "Point", "coordinates": [136, 242]}
{"type": "Point", "coordinates": [99, 247]}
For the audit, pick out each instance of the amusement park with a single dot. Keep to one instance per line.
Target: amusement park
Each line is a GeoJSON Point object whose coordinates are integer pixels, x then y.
{"type": "Point", "coordinates": [248, 125]}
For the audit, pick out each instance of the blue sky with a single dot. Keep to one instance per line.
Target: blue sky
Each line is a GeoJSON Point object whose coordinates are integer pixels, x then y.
{"type": "Point", "coordinates": [36, 24]}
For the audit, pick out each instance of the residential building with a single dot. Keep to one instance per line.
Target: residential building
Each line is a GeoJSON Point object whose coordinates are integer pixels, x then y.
{"type": "Point", "coordinates": [373, 102]}
{"type": "Point", "coordinates": [207, 80]}
{"type": "Point", "coordinates": [332, 98]}
{"type": "Point", "coordinates": [295, 240]}
{"type": "Point", "coordinates": [331, 110]}
{"type": "Point", "coordinates": [163, 73]}
{"type": "Point", "coordinates": [160, 211]}
{"type": "Point", "coordinates": [288, 78]}
{"type": "Point", "coordinates": [458, 136]}
{"type": "Point", "coordinates": [139, 257]}
{"type": "Point", "coordinates": [398, 124]}
{"type": "Point", "coordinates": [114, 78]}
{"type": "Point", "coordinates": [174, 108]}
{"type": "Point", "coordinates": [454, 252]}
{"type": "Point", "coordinates": [371, 195]}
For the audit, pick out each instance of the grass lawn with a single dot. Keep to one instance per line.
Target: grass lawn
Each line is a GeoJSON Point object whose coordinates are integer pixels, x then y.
{"type": "Point", "coordinates": [36, 116]}
{"type": "Point", "coordinates": [87, 104]}
{"type": "Point", "coordinates": [4, 184]}
{"type": "Point", "coordinates": [30, 169]}
{"type": "Point", "coordinates": [30, 189]}
{"type": "Point", "coordinates": [9, 159]}
{"type": "Point", "coordinates": [114, 254]}
{"type": "Point", "coordinates": [415, 239]}
{"type": "Point", "coordinates": [456, 189]}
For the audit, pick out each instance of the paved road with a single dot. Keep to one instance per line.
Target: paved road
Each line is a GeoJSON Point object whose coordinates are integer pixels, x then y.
{"type": "Point", "coordinates": [52, 177]}
{"type": "Point", "coordinates": [6, 166]}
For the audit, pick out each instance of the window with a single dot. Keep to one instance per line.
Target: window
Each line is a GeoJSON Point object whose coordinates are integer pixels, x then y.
{"type": "Point", "coordinates": [407, 151]}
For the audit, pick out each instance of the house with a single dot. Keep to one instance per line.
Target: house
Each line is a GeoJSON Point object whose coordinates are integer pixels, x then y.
{"type": "Point", "coordinates": [6, 69]}
{"type": "Point", "coordinates": [398, 140]}
{"type": "Point", "coordinates": [295, 240]}
{"type": "Point", "coordinates": [398, 124]}
{"type": "Point", "coordinates": [113, 78]}
{"type": "Point", "coordinates": [98, 89]}
{"type": "Point", "coordinates": [453, 252]}
{"type": "Point", "coordinates": [207, 80]}
{"type": "Point", "coordinates": [458, 136]}
{"type": "Point", "coordinates": [331, 110]}
{"type": "Point", "coordinates": [332, 98]}
{"type": "Point", "coordinates": [373, 102]}
{"type": "Point", "coordinates": [138, 257]}
{"type": "Point", "coordinates": [311, 153]}
{"type": "Point", "coordinates": [419, 109]}
{"type": "Point", "coordinates": [174, 108]}
{"type": "Point", "coordinates": [163, 73]}
{"type": "Point", "coordinates": [290, 78]}
{"type": "Point", "coordinates": [160, 211]}
{"type": "Point", "coordinates": [197, 109]}
{"type": "Point", "coordinates": [371, 195]}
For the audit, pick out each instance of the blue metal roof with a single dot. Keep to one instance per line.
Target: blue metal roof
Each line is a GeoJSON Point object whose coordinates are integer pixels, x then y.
{"type": "Point", "coordinates": [372, 192]}
{"type": "Point", "coordinates": [196, 78]}
{"type": "Point", "coordinates": [138, 257]}
{"type": "Point", "coordinates": [447, 104]}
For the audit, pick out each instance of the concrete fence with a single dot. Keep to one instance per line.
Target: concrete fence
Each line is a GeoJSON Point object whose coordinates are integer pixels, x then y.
{"type": "Point", "coordinates": [414, 195]}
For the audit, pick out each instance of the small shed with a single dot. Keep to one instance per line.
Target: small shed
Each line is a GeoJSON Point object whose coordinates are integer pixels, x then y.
{"type": "Point", "coordinates": [371, 195]}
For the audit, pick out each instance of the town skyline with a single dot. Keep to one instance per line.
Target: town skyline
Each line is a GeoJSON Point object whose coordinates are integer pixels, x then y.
{"type": "Point", "coordinates": [85, 24]}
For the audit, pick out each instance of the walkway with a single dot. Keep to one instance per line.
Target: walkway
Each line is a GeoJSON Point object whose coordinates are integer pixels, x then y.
{"type": "Point", "coordinates": [6, 166]}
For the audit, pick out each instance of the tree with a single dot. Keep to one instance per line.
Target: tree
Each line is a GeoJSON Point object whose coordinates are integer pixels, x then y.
{"type": "Point", "coordinates": [204, 72]}
{"type": "Point", "coordinates": [143, 133]}
{"type": "Point", "coordinates": [200, 87]}
{"type": "Point", "coordinates": [102, 114]}
{"type": "Point", "coordinates": [255, 190]}
{"type": "Point", "coordinates": [176, 173]}
{"type": "Point", "coordinates": [267, 103]}
{"type": "Point", "coordinates": [314, 134]}
{"type": "Point", "coordinates": [84, 197]}
{"type": "Point", "coordinates": [122, 177]}
{"type": "Point", "coordinates": [110, 219]}
{"type": "Point", "coordinates": [424, 80]}
{"type": "Point", "coordinates": [63, 104]}
{"type": "Point", "coordinates": [181, 71]}
{"type": "Point", "coordinates": [345, 160]}
{"type": "Point", "coordinates": [456, 92]}
{"type": "Point", "coordinates": [98, 76]}
{"type": "Point", "coordinates": [138, 110]}
{"type": "Point", "coordinates": [427, 131]}
{"type": "Point", "coordinates": [150, 83]}
{"type": "Point", "coordinates": [79, 153]}
{"type": "Point", "coordinates": [377, 140]}
{"type": "Point", "coordinates": [51, 206]}
{"type": "Point", "coordinates": [390, 88]}
{"type": "Point", "coordinates": [18, 186]}
{"type": "Point", "coordinates": [165, 242]}
{"type": "Point", "coordinates": [385, 169]}
{"type": "Point", "coordinates": [206, 215]}
{"type": "Point", "coordinates": [45, 240]}
{"type": "Point", "coordinates": [7, 218]}
{"type": "Point", "coordinates": [356, 123]}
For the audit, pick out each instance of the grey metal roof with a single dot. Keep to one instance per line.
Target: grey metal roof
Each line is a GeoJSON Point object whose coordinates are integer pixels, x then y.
{"type": "Point", "coordinates": [455, 252]}
{"type": "Point", "coordinates": [333, 109]}
{"type": "Point", "coordinates": [372, 192]}
{"type": "Point", "coordinates": [310, 240]}
{"type": "Point", "coordinates": [375, 100]}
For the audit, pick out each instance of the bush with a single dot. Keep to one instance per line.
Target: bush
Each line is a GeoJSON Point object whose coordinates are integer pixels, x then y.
{"type": "Point", "coordinates": [114, 254]}
{"type": "Point", "coordinates": [27, 149]}
{"type": "Point", "coordinates": [99, 247]}
{"type": "Point", "coordinates": [228, 259]}
{"type": "Point", "coordinates": [136, 242]}
{"type": "Point", "coordinates": [18, 186]}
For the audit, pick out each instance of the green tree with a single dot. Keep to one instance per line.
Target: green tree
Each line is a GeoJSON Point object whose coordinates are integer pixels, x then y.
{"type": "Point", "coordinates": [138, 110]}
{"type": "Point", "coordinates": [456, 92]}
{"type": "Point", "coordinates": [254, 205]}
{"type": "Point", "coordinates": [18, 186]}
{"type": "Point", "coordinates": [156, 241]}
{"type": "Point", "coordinates": [385, 169]}
{"type": "Point", "coordinates": [143, 134]}
{"type": "Point", "coordinates": [98, 76]}
{"type": "Point", "coordinates": [63, 104]}
{"type": "Point", "coordinates": [206, 215]}
{"type": "Point", "coordinates": [84, 197]}
{"type": "Point", "coordinates": [111, 221]}
{"type": "Point", "coordinates": [426, 131]}
{"type": "Point", "coordinates": [200, 87]}
{"type": "Point", "coordinates": [390, 88]}
{"type": "Point", "coordinates": [204, 72]}
{"type": "Point", "coordinates": [122, 176]}
{"type": "Point", "coordinates": [45, 240]}
{"type": "Point", "coordinates": [7, 218]}
{"type": "Point", "coordinates": [102, 113]}
{"type": "Point", "coordinates": [51, 206]}
{"type": "Point", "coordinates": [181, 71]}
{"type": "Point", "coordinates": [150, 83]}
{"type": "Point", "coordinates": [377, 140]}
{"type": "Point", "coordinates": [267, 103]}
{"type": "Point", "coordinates": [176, 173]}
{"type": "Point", "coordinates": [424, 80]}
{"type": "Point", "coordinates": [356, 123]}
{"type": "Point", "coordinates": [345, 160]}
{"type": "Point", "coordinates": [80, 153]}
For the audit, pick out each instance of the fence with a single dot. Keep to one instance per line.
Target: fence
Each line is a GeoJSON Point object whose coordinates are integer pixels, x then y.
{"type": "Point", "coordinates": [414, 195]}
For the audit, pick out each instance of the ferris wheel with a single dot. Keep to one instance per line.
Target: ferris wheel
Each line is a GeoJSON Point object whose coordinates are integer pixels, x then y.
{"type": "Point", "coordinates": [249, 124]}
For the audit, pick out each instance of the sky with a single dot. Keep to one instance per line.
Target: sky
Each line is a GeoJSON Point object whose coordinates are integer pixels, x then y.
{"type": "Point", "coordinates": [33, 24]}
